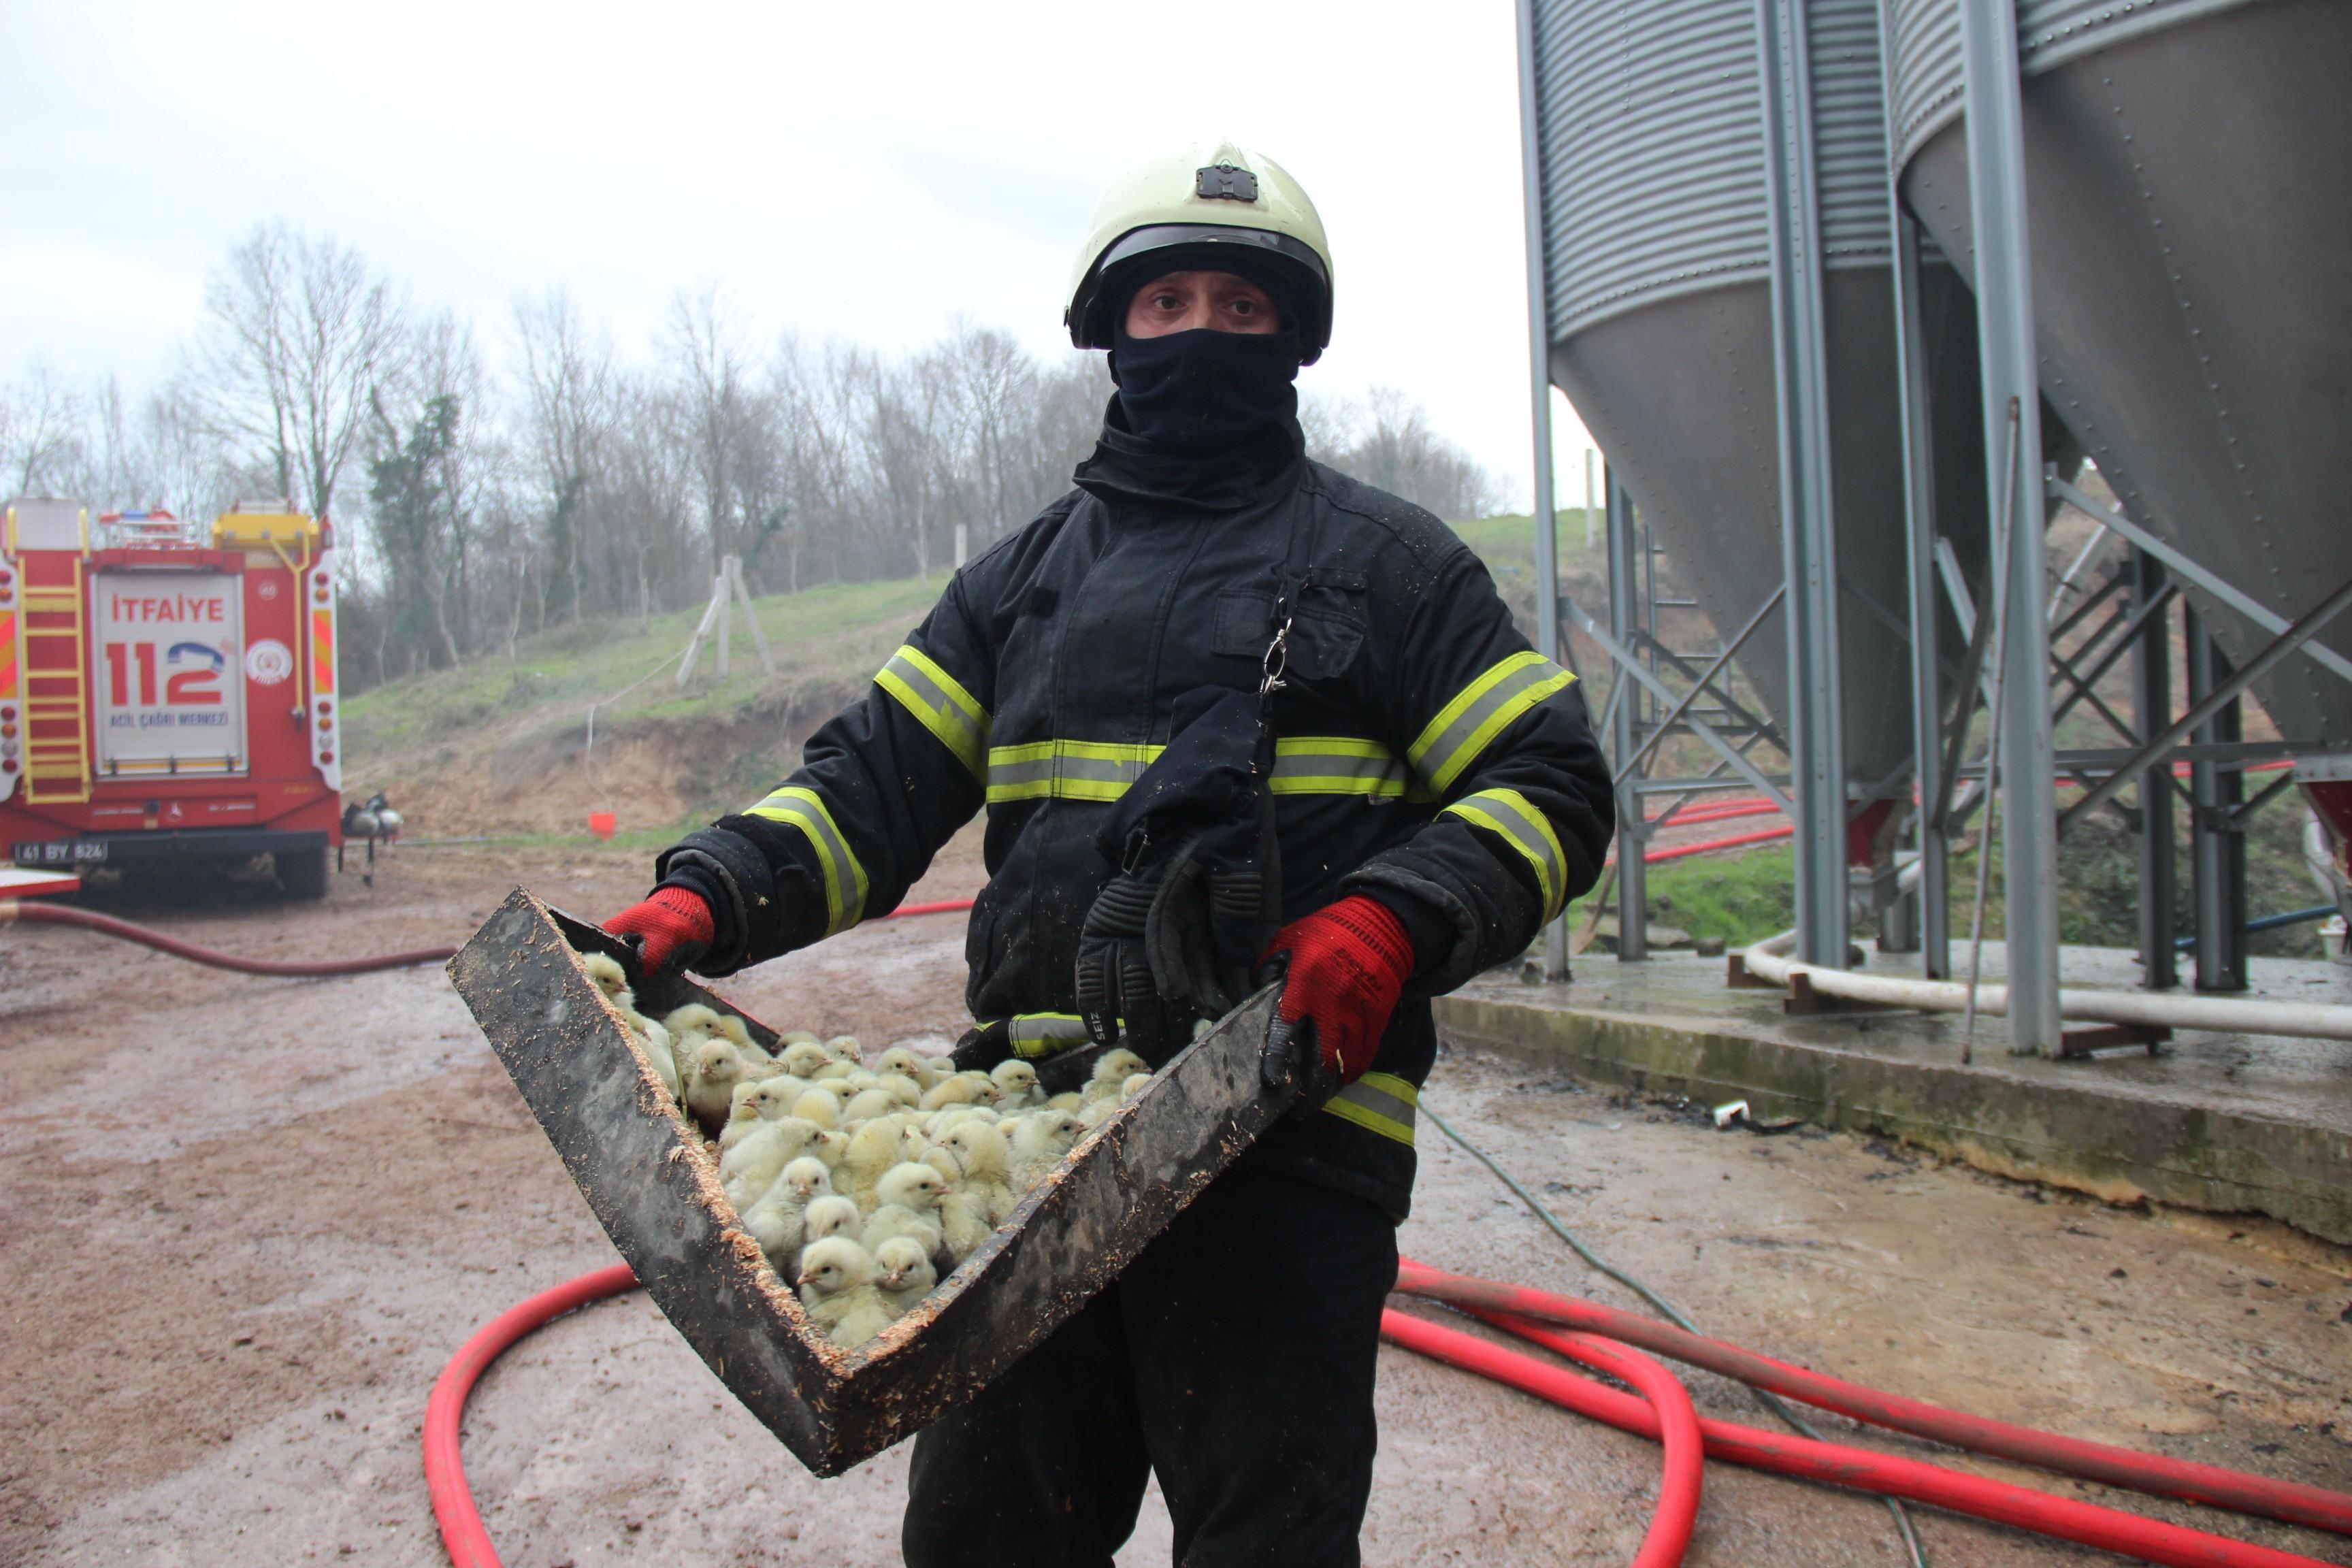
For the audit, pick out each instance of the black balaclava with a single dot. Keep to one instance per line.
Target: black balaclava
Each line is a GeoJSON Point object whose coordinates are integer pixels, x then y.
{"type": "Point", "coordinates": [1201, 418]}
{"type": "Point", "coordinates": [1204, 393]}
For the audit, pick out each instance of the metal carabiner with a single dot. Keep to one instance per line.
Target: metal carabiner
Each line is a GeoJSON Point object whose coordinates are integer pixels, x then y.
{"type": "Point", "coordinates": [1277, 661]}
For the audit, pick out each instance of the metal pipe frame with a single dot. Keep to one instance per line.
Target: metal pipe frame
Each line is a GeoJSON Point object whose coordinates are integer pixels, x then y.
{"type": "Point", "coordinates": [2223, 691]}
{"type": "Point", "coordinates": [2197, 575]}
{"type": "Point", "coordinates": [2217, 841]}
{"type": "Point", "coordinates": [2153, 591]}
{"type": "Point", "coordinates": [1744, 720]}
{"type": "Point", "coordinates": [1995, 130]}
{"type": "Point", "coordinates": [1814, 721]}
{"type": "Point", "coordinates": [2148, 604]}
{"type": "Point", "coordinates": [1627, 662]}
{"type": "Point", "coordinates": [1674, 715]}
{"type": "Point", "coordinates": [1549, 639]}
{"type": "Point", "coordinates": [1632, 883]}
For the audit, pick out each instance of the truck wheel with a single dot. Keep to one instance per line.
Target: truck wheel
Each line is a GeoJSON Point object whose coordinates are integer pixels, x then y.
{"type": "Point", "coordinates": [302, 873]}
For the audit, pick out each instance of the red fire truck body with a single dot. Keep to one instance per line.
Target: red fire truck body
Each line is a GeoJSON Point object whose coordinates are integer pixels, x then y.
{"type": "Point", "coordinates": [168, 690]}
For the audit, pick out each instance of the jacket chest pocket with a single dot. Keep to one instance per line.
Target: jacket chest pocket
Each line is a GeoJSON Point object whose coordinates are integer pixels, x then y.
{"type": "Point", "coordinates": [1325, 636]}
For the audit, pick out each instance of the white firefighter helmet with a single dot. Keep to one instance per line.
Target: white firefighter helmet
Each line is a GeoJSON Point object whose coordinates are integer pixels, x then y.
{"type": "Point", "coordinates": [1213, 205]}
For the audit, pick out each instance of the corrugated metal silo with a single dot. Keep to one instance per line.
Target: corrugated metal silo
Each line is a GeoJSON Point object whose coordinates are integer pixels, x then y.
{"type": "Point", "coordinates": [1658, 280]}
{"type": "Point", "coordinates": [2191, 230]}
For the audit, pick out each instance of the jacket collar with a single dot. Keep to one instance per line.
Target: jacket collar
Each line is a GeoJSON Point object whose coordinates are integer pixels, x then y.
{"type": "Point", "coordinates": [1126, 468]}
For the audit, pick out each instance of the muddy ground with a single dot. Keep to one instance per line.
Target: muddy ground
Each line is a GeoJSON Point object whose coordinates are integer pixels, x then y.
{"type": "Point", "coordinates": [244, 1222]}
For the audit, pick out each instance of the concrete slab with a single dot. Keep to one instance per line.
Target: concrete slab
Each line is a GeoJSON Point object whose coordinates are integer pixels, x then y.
{"type": "Point", "coordinates": [2224, 1123]}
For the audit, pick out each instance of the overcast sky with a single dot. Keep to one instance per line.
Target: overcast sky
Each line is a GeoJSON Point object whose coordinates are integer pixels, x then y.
{"type": "Point", "coordinates": [872, 173]}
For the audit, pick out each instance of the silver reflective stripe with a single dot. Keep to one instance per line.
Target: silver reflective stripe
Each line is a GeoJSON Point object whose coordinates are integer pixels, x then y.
{"type": "Point", "coordinates": [939, 704]}
{"type": "Point", "coordinates": [1337, 764]}
{"type": "Point", "coordinates": [1035, 1035]}
{"type": "Point", "coordinates": [1481, 711]}
{"type": "Point", "coordinates": [1379, 1102]}
{"type": "Point", "coordinates": [1512, 814]}
{"type": "Point", "coordinates": [1070, 770]}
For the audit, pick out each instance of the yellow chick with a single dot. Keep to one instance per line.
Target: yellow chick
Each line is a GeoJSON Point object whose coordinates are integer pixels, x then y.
{"type": "Point", "coordinates": [655, 1042]}
{"type": "Point", "coordinates": [874, 1148]}
{"type": "Point", "coordinates": [1015, 1081]}
{"type": "Point", "coordinates": [985, 1159]}
{"type": "Point", "coordinates": [909, 1198]}
{"type": "Point", "coordinates": [819, 1107]}
{"type": "Point", "coordinates": [903, 1061]}
{"type": "Point", "coordinates": [802, 1059]}
{"type": "Point", "coordinates": [1038, 1144]}
{"type": "Point", "coordinates": [611, 979]}
{"type": "Point", "coordinates": [1116, 1066]}
{"type": "Point", "coordinates": [709, 1072]}
{"type": "Point", "coordinates": [752, 1165]}
{"type": "Point", "coordinates": [829, 1214]}
{"type": "Point", "coordinates": [956, 1091]}
{"type": "Point", "coordinates": [903, 1271]}
{"type": "Point", "coordinates": [836, 1280]}
{"type": "Point", "coordinates": [867, 1104]}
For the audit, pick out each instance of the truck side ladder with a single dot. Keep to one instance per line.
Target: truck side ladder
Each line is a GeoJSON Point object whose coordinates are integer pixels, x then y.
{"type": "Point", "coordinates": [56, 687]}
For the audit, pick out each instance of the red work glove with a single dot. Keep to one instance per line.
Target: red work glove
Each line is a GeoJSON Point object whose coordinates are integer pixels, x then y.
{"type": "Point", "coordinates": [1348, 963]}
{"type": "Point", "coordinates": [675, 926]}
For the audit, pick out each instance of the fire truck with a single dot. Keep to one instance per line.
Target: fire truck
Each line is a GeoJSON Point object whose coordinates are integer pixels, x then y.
{"type": "Point", "coordinates": [167, 690]}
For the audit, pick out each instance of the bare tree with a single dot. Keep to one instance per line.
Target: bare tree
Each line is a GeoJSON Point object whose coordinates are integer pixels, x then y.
{"type": "Point", "coordinates": [41, 432]}
{"type": "Point", "coordinates": [911, 430]}
{"type": "Point", "coordinates": [718, 412]}
{"type": "Point", "coordinates": [1388, 443]}
{"type": "Point", "coordinates": [301, 332]}
{"type": "Point", "coordinates": [587, 485]}
{"type": "Point", "coordinates": [570, 397]}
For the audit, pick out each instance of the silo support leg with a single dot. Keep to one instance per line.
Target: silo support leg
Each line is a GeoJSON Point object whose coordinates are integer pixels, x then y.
{"type": "Point", "coordinates": [2009, 358]}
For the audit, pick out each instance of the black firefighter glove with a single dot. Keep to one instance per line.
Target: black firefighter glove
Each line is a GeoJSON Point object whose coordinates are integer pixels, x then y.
{"type": "Point", "coordinates": [1173, 936]}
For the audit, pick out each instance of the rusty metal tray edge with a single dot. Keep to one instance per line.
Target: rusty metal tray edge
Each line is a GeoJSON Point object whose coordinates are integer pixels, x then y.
{"type": "Point", "coordinates": [653, 1186]}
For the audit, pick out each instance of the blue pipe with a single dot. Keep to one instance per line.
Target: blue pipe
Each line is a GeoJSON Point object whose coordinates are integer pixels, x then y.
{"type": "Point", "coordinates": [2271, 922]}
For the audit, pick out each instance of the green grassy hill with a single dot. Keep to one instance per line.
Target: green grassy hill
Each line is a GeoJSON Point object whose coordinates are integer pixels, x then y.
{"type": "Point", "coordinates": [499, 745]}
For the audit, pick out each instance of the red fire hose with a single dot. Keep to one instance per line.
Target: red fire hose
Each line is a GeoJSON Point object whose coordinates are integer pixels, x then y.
{"type": "Point", "coordinates": [445, 1463]}
{"type": "Point", "coordinates": [1859, 1469]}
{"type": "Point", "coordinates": [2288, 1501]}
{"type": "Point", "coordinates": [1671, 1420]}
{"type": "Point", "coordinates": [32, 913]}
{"type": "Point", "coordinates": [1659, 1415]}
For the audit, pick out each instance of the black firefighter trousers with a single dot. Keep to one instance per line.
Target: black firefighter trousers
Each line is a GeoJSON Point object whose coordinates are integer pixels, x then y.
{"type": "Point", "coordinates": [1234, 1358]}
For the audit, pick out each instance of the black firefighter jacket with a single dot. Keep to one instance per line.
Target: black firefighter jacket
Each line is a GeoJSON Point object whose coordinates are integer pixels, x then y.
{"type": "Point", "coordinates": [1426, 756]}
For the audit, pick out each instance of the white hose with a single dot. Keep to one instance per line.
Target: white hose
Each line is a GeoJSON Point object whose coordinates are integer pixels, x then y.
{"type": "Point", "coordinates": [1767, 960]}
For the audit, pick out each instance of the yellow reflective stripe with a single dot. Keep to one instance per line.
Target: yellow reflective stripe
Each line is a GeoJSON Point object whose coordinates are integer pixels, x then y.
{"type": "Point", "coordinates": [939, 702]}
{"type": "Point", "coordinates": [1337, 764]}
{"type": "Point", "coordinates": [1510, 813]}
{"type": "Point", "coordinates": [1104, 771]}
{"type": "Point", "coordinates": [1466, 726]}
{"type": "Point", "coordinates": [844, 878]}
{"type": "Point", "coordinates": [1379, 1102]}
{"type": "Point", "coordinates": [1068, 770]}
{"type": "Point", "coordinates": [1036, 1035]}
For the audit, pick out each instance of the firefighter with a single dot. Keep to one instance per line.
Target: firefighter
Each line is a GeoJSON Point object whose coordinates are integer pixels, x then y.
{"type": "Point", "coordinates": [1232, 714]}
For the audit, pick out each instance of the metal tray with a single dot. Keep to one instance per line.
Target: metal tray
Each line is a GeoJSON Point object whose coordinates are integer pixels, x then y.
{"type": "Point", "coordinates": [653, 1186]}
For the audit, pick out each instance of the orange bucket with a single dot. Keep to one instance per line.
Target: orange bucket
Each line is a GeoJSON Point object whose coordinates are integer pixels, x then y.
{"type": "Point", "coordinates": [603, 823]}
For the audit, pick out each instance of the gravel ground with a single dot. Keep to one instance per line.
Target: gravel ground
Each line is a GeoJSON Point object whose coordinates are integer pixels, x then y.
{"type": "Point", "coordinates": [243, 1222]}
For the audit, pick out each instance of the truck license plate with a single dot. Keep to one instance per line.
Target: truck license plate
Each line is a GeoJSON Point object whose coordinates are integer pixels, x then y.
{"type": "Point", "coordinates": [59, 851]}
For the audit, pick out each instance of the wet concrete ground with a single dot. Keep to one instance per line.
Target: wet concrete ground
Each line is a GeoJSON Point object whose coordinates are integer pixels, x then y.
{"type": "Point", "coordinates": [244, 1222]}
{"type": "Point", "coordinates": [2221, 1121]}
